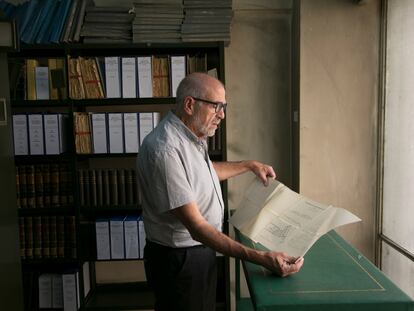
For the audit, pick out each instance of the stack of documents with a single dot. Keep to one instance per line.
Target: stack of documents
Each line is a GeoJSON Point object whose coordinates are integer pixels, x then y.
{"type": "Point", "coordinates": [285, 221]}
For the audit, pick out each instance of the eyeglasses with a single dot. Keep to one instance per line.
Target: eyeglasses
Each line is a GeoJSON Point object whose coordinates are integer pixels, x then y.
{"type": "Point", "coordinates": [218, 106]}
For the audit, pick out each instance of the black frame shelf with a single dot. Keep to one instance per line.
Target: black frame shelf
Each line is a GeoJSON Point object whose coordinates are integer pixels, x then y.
{"type": "Point", "coordinates": [123, 296]}
{"type": "Point", "coordinates": [41, 103]}
{"type": "Point", "coordinates": [45, 211]}
{"type": "Point", "coordinates": [111, 210]}
{"type": "Point", "coordinates": [51, 263]}
{"type": "Point", "coordinates": [44, 158]}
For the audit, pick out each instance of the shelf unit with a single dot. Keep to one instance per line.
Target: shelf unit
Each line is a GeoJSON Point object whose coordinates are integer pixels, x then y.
{"type": "Point", "coordinates": [126, 296]}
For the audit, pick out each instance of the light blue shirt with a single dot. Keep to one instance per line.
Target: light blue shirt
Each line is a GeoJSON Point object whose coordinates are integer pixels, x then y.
{"type": "Point", "coordinates": [173, 170]}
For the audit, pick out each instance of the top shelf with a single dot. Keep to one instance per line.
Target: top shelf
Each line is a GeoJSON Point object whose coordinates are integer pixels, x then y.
{"type": "Point", "coordinates": [120, 48]}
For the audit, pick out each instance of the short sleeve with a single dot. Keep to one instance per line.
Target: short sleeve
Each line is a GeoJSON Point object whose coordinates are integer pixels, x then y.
{"type": "Point", "coordinates": [171, 184]}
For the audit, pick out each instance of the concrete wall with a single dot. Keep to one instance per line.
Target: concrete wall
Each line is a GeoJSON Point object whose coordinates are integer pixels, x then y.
{"type": "Point", "coordinates": [338, 110]}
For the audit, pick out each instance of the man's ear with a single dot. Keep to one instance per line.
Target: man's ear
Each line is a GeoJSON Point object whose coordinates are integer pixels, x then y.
{"type": "Point", "coordinates": [188, 105]}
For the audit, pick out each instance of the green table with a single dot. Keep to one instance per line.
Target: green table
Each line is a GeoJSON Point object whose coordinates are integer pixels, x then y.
{"type": "Point", "coordinates": [334, 277]}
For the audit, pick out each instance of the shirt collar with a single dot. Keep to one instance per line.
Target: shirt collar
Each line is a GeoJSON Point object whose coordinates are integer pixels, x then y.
{"type": "Point", "coordinates": [185, 130]}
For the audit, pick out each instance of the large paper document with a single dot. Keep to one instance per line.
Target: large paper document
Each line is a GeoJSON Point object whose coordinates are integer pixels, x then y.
{"type": "Point", "coordinates": [283, 220]}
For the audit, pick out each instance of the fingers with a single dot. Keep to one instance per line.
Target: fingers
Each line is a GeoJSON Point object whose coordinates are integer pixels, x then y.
{"type": "Point", "coordinates": [288, 268]}
{"type": "Point", "coordinates": [266, 172]}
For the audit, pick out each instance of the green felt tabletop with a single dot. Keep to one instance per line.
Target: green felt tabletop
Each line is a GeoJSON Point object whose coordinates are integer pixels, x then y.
{"type": "Point", "coordinates": [334, 276]}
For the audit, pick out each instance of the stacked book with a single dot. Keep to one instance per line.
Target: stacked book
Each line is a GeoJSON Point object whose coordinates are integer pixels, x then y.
{"type": "Point", "coordinates": [47, 21]}
{"type": "Point", "coordinates": [107, 25]}
{"type": "Point", "coordinates": [157, 21]}
{"type": "Point", "coordinates": [207, 20]}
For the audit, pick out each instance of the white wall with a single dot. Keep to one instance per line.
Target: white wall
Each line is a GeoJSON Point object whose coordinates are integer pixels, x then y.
{"type": "Point", "coordinates": [338, 110]}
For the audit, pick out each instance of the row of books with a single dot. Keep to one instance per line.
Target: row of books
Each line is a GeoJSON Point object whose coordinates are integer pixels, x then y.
{"type": "Point", "coordinates": [103, 24]}
{"type": "Point", "coordinates": [120, 238]}
{"type": "Point", "coordinates": [44, 185]}
{"type": "Point", "coordinates": [157, 21]}
{"type": "Point", "coordinates": [108, 77]}
{"type": "Point", "coordinates": [207, 20]}
{"type": "Point", "coordinates": [112, 132]}
{"type": "Point", "coordinates": [108, 187]}
{"type": "Point", "coordinates": [45, 78]}
{"type": "Point", "coordinates": [61, 290]}
{"type": "Point", "coordinates": [40, 21]}
{"type": "Point", "coordinates": [47, 237]}
{"type": "Point", "coordinates": [38, 134]}
{"type": "Point", "coordinates": [126, 77]}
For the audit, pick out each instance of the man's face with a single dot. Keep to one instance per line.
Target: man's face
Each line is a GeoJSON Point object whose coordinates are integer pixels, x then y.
{"type": "Point", "coordinates": [205, 119]}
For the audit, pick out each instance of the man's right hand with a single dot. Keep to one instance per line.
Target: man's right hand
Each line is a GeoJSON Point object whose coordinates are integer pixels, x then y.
{"type": "Point", "coordinates": [281, 263]}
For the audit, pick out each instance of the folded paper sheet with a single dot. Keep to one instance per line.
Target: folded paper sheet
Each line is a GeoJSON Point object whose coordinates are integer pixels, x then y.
{"type": "Point", "coordinates": [283, 220]}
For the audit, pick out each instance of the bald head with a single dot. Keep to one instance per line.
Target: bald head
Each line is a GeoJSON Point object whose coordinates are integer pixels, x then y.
{"type": "Point", "coordinates": [196, 84]}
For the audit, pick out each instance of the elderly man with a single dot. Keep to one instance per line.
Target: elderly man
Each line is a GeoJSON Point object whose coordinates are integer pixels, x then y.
{"type": "Point", "coordinates": [182, 202]}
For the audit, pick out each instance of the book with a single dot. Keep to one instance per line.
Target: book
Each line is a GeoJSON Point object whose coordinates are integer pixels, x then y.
{"type": "Point", "coordinates": [131, 237]}
{"type": "Point", "coordinates": [36, 138]}
{"type": "Point", "coordinates": [22, 238]}
{"type": "Point", "coordinates": [20, 134]}
{"type": "Point", "coordinates": [22, 186]}
{"type": "Point", "coordinates": [91, 78]}
{"type": "Point", "coordinates": [45, 291]}
{"type": "Point", "coordinates": [70, 285]}
{"type": "Point", "coordinates": [54, 185]}
{"type": "Point", "coordinates": [76, 86]}
{"type": "Point", "coordinates": [53, 236]}
{"type": "Point", "coordinates": [47, 191]}
{"type": "Point", "coordinates": [60, 229]}
{"type": "Point", "coordinates": [83, 137]}
{"type": "Point", "coordinates": [99, 132]}
{"type": "Point", "coordinates": [42, 82]}
{"type": "Point", "coordinates": [131, 132]}
{"type": "Point", "coordinates": [121, 187]}
{"type": "Point", "coordinates": [81, 188]}
{"type": "Point", "coordinates": [145, 125]}
{"type": "Point", "coordinates": [28, 234]}
{"type": "Point", "coordinates": [113, 78]}
{"type": "Point", "coordinates": [144, 64]}
{"type": "Point", "coordinates": [129, 187]}
{"type": "Point", "coordinates": [283, 220]}
{"type": "Point", "coordinates": [30, 186]}
{"type": "Point", "coordinates": [141, 236]}
{"type": "Point", "coordinates": [39, 195]}
{"type": "Point", "coordinates": [92, 188]}
{"type": "Point", "coordinates": [160, 76]}
{"type": "Point", "coordinates": [115, 133]}
{"type": "Point", "coordinates": [57, 291]}
{"type": "Point", "coordinates": [45, 236]}
{"type": "Point", "coordinates": [113, 187]}
{"type": "Point", "coordinates": [178, 72]}
{"type": "Point", "coordinates": [37, 237]}
{"type": "Point", "coordinates": [117, 237]}
{"type": "Point", "coordinates": [102, 239]}
{"type": "Point", "coordinates": [129, 84]}
{"type": "Point", "coordinates": [52, 133]}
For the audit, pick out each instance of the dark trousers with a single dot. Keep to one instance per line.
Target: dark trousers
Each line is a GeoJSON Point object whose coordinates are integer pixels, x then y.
{"type": "Point", "coordinates": [183, 279]}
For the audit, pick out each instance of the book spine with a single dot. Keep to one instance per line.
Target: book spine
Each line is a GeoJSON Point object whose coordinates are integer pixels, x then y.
{"type": "Point", "coordinates": [92, 181]}
{"type": "Point", "coordinates": [23, 186]}
{"type": "Point", "coordinates": [63, 182]}
{"type": "Point", "coordinates": [39, 186]}
{"type": "Point", "coordinates": [54, 185]}
{"type": "Point", "coordinates": [121, 187]}
{"type": "Point", "coordinates": [113, 180]}
{"type": "Point", "coordinates": [46, 185]}
{"type": "Point", "coordinates": [30, 179]}
{"type": "Point", "coordinates": [71, 237]}
{"type": "Point", "coordinates": [99, 189]}
{"type": "Point", "coordinates": [106, 186]}
{"type": "Point", "coordinates": [22, 238]}
{"type": "Point", "coordinates": [28, 230]}
{"type": "Point", "coordinates": [81, 183]}
{"type": "Point", "coordinates": [45, 236]}
{"type": "Point", "coordinates": [18, 204]}
{"type": "Point", "coordinates": [60, 224]}
{"type": "Point", "coordinates": [53, 236]}
{"type": "Point", "coordinates": [129, 187]}
{"type": "Point", "coordinates": [37, 237]}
